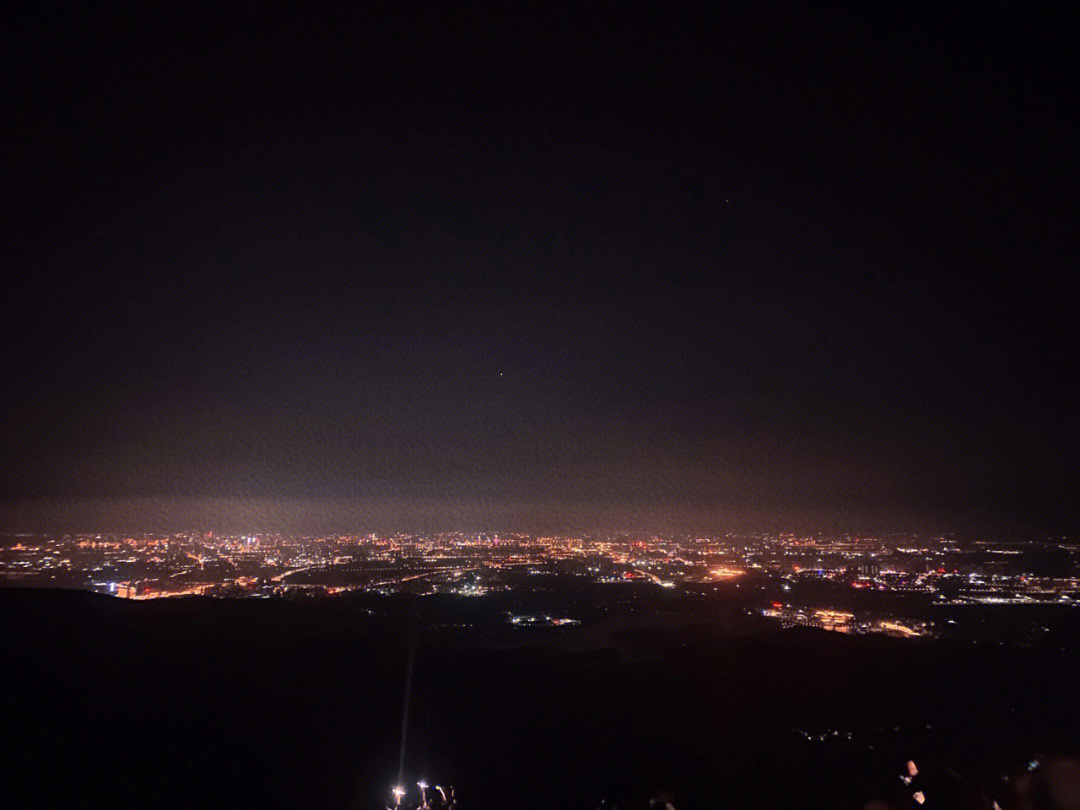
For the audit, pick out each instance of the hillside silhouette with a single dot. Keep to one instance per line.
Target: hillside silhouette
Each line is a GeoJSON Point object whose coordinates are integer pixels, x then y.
{"type": "Point", "coordinates": [267, 703]}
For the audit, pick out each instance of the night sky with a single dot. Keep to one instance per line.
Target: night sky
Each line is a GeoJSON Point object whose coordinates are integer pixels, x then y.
{"type": "Point", "coordinates": [616, 266]}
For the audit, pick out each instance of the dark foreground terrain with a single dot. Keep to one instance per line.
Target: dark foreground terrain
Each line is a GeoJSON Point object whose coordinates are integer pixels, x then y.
{"type": "Point", "coordinates": [266, 703]}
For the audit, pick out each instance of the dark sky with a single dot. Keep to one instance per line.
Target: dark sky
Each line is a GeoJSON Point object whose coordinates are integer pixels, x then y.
{"type": "Point", "coordinates": [601, 266]}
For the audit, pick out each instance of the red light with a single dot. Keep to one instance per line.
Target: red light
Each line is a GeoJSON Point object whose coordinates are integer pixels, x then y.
{"type": "Point", "coordinates": [777, 604]}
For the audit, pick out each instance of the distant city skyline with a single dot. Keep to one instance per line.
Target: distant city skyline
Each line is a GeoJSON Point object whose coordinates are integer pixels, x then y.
{"type": "Point", "coordinates": [780, 571]}
{"type": "Point", "coordinates": [314, 516]}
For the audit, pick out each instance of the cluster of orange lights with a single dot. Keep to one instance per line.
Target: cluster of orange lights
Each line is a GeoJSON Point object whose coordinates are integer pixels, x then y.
{"type": "Point", "coordinates": [724, 572]}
